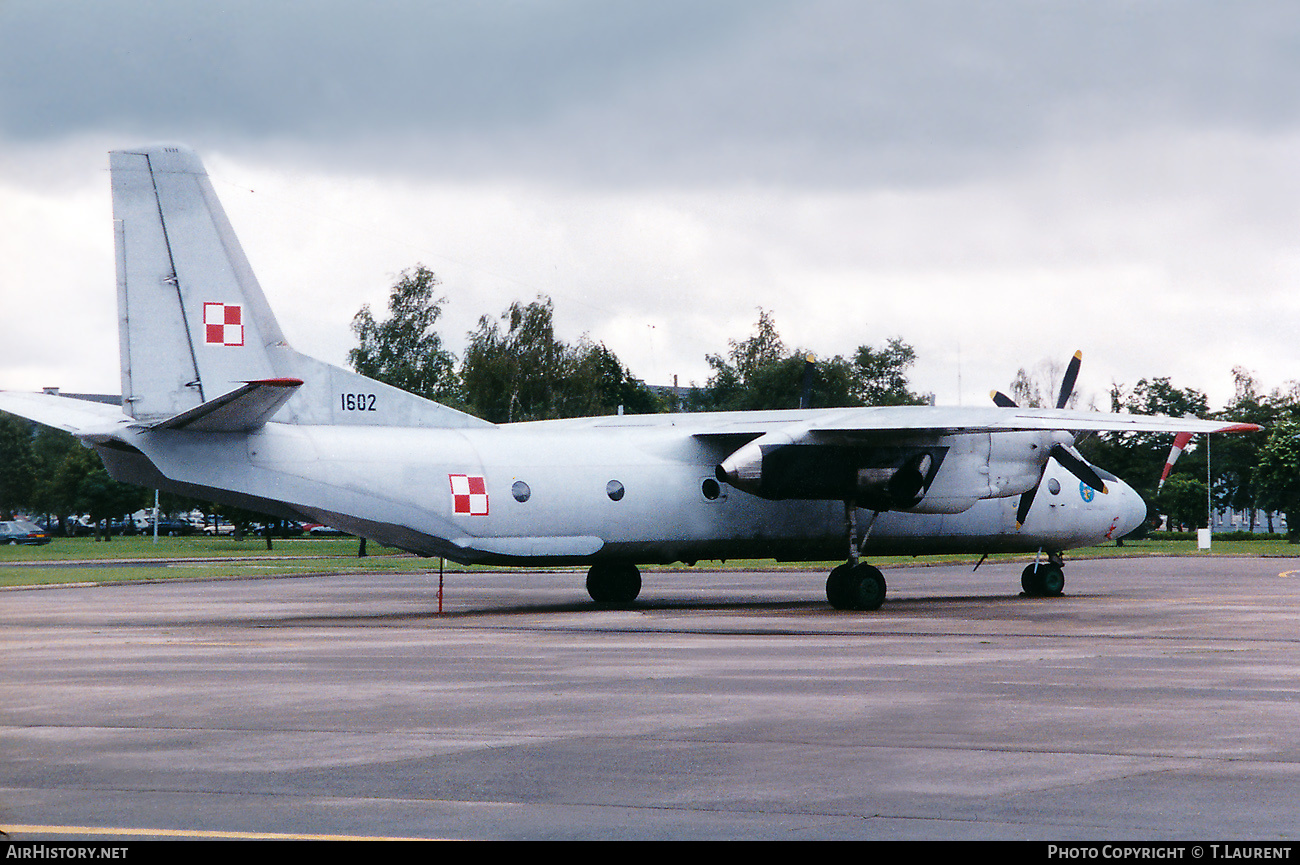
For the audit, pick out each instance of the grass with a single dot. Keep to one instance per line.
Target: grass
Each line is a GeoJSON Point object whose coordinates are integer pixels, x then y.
{"type": "Point", "coordinates": [193, 546]}
{"type": "Point", "coordinates": [73, 560]}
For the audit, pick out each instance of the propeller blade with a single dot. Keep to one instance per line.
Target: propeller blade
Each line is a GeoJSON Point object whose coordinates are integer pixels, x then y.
{"type": "Point", "coordinates": [1074, 464]}
{"type": "Point", "coordinates": [1067, 383]}
{"type": "Point", "coordinates": [1026, 502]}
{"type": "Point", "coordinates": [805, 389]}
{"type": "Point", "coordinates": [1002, 400]}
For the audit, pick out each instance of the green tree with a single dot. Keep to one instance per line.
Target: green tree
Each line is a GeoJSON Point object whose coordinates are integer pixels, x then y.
{"type": "Point", "coordinates": [758, 373]}
{"type": "Point", "coordinates": [83, 480]}
{"type": "Point", "coordinates": [516, 369]}
{"type": "Point", "coordinates": [405, 350]}
{"type": "Point", "coordinates": [17, 465]}
{"type": "Point", "coordinates": [1138, 458]}
{"type": "Point", "coordinates": [52, 448]}
{"type": "Point", "coordinates": [1183, 500]}
{"type": "Point", "coordinates": [880, 374]}
{"type": "Point", "coordinates": [764, 347]}
{"type": "Point", "coordinates": [732, 385]}
{"type": "Point", "coordinates": [1277, 475]}
{"type": "Point", "coordinates": [1235, 457]}
{"type": "Point", "coordinates": [599, 384]}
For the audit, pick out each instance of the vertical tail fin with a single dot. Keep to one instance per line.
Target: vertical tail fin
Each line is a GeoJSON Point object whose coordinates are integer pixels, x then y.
{"type": "Point", "coordinates": [194, 323]}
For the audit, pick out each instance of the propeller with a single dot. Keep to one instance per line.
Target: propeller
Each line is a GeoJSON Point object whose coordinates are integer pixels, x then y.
{"type": "Point", "coordinates": [1067, 386]}
{"type": "Point", "coordinates": [1068, 458]}
{"type": "Point", "coordinates": [1072, 463]}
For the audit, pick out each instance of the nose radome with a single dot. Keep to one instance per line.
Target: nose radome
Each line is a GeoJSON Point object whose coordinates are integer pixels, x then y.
{"type": "Point", "coordinates": [1133, 510]}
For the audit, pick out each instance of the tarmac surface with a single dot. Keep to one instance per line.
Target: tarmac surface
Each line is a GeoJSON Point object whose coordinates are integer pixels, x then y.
{"type": "Point", "coordinates": [1158, 700]}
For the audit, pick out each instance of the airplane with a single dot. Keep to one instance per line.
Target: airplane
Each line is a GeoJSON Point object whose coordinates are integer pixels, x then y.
{"type": "Point", "coordinates": [216, 405]}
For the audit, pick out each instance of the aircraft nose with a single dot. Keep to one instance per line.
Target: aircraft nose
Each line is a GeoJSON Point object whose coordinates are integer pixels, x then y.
{"type": "Point", "coordinates": [1133, 510]}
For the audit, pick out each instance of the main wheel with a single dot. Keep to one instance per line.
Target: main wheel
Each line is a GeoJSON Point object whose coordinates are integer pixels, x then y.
{"type": "Point", "coordinates": [1053, 581]}
{"type": "Point", "coordinates": [614, 582]}
{"type": "Point", "coordinates": [867, 588]}
{"type": "Point", "coordinates": [1043, 580]}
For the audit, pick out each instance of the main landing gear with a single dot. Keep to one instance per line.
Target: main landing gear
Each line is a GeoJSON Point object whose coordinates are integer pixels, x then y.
{"type": "Point", "coordinates": [614, 582]}
{"type": "Point", "coordinates": [855, 585]}
{"type": "Point", "coordinates": [1044, 579]}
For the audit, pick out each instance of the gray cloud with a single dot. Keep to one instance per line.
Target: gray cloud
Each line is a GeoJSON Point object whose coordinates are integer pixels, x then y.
{"type": "Point", "coordinates": [958, 173]}
{"type": "Point", "coordinates": [823, 92]}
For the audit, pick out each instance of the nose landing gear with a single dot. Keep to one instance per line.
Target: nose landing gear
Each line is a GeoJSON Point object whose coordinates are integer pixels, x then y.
{"type": "Point", "coordinates": [1044, 579]}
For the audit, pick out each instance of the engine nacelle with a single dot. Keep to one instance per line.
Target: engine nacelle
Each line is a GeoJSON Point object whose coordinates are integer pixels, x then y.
{"type": "Point", "coordinates": [879, 478]}
{"type": "Point", "coordinates": [946, 474]}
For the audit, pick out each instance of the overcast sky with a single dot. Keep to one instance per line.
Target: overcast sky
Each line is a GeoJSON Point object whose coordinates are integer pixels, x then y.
{"type": "Point", "coordinates": [998, 183]}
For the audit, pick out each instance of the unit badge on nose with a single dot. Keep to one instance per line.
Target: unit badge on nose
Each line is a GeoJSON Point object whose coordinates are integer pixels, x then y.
{"type": "Point", "coordinates": [223, 324]}
{"type": "Point", "coordinates": [469, 495]}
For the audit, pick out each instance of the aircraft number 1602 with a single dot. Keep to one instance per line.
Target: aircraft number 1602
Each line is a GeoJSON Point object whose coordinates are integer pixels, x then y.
{"type": "Point", "coordinates": [357, 402]}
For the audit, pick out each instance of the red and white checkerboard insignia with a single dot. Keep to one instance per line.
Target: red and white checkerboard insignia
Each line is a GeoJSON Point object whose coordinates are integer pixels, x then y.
{"type": "Point", "coordinates": [469, 495]}
{"type": "Point", "coordinates": [223, 324]}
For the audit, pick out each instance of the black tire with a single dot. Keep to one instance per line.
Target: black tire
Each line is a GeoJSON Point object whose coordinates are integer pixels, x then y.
{"type": "Point", "coordinates": [614, 583]}
{"type": "Point", "coordinates": [1043, 580]}
{"type": "Point", "coordinates": [1029, 581]}
{"type": "Point", "coordinates": [838, 588]}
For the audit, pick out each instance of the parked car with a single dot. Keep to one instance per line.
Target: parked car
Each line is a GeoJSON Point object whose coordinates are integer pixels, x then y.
{"type": "Point", "coordinates": [289, 529]}
{"type": "Point", "coordinates": [172, 527]}
{"type": "Point", "coordinates": [317, 530]}
{"type": "Point", "coordinates": [22, 532]}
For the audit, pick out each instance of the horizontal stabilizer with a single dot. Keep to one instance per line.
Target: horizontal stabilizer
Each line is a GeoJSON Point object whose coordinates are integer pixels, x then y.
{"type": "Point", "coordinates": [79, 417]}
{"type": "Point", "coordinates": [243, 409]}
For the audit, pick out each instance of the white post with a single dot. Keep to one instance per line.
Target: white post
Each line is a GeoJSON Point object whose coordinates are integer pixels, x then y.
{"type": "Point", "coordinates": [1209, 501]}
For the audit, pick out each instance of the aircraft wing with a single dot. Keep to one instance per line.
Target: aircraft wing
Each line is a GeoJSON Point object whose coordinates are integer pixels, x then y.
{"type": "Point", "coordinates": [80, 417]}
{"type": "Point", "coordinates": [1107, 422]}
{"type": "Point", "coordinates": [959, 420]}
{"type": "Point", "coordinates": [890, 458]}
{"type": "Point", "coordinates": [885, 421]}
